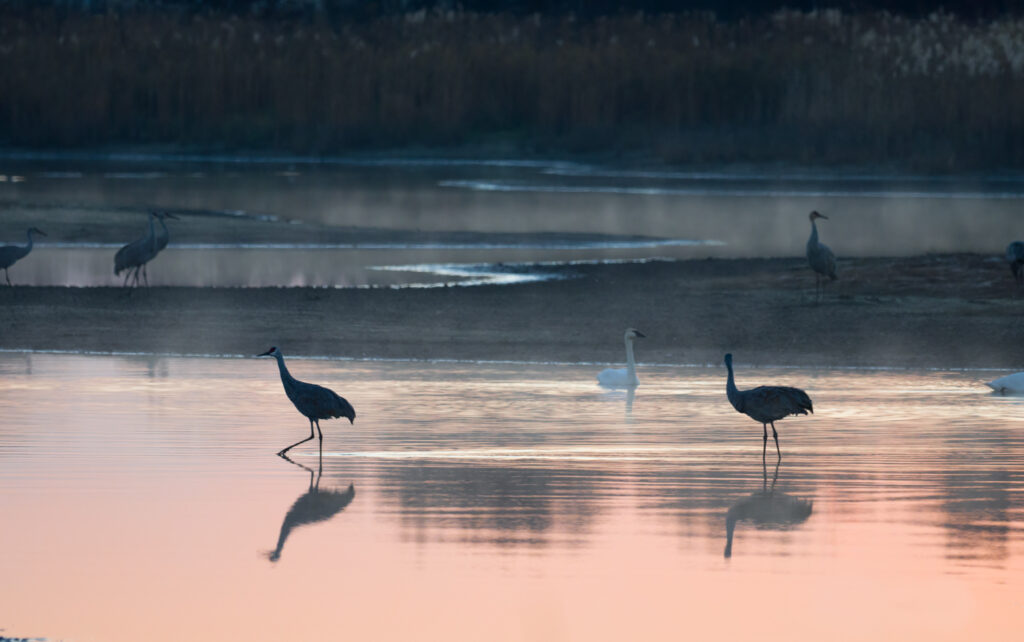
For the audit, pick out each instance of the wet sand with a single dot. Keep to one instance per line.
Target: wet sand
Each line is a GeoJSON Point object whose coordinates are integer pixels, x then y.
{"type": "Point", "coordinates": [944, 311]}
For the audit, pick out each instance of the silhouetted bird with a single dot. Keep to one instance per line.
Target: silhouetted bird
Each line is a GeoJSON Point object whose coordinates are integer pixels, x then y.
{"type": "Point", "coordinates": [10, 254]}
{"type": "Point", "coordinates": [313, 401]}
{"type": "Point", "coordinates": [1015, 255]}
{"type": "Point", "coordinates": [767, 404]}
{"type": "Point", "coordinates": [819, 256]}
{"type": "Point", "coordinates": [135, 255]}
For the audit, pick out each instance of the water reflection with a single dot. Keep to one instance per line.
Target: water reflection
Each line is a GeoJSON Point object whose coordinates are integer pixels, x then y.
{"type": "Point", "coordinates": [766, 508]}
{"type": "Point", "coordinates": [315, 505]}
{"type": "Point", "coordinates": [495, 505]}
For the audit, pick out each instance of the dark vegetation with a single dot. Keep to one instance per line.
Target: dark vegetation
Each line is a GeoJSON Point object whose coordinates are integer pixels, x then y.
{"type": "Point", "coordinates": [940, 91]}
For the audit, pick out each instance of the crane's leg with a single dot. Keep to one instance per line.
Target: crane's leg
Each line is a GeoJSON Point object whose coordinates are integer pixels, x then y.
{"type": "Point", "coordinates": [127, 275]}
{"type": "Point", "coordinates": [776, 435]}
{"type": "Point", "coordinates": [764, 442]}
{"type": "Point", "coordinates": [321, 437]}
{"type": "Point", "coordinates": [311, 435]}
{"type": "Point", "coordinates": [145, 274]}
{"type": "Point", "coordinates": [7, 276]}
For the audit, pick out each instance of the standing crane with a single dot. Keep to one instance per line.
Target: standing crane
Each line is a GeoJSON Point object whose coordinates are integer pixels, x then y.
{"type": "Point", "coordinates": [1015, 255]}
{"type": "Point", "coordinates": [313, 401]}
{"type": "Point", "coordinates": [819, 256]}
{"type": "Point", "coordinates": [767, 404]}
{"type": "Point", "coordinates": [9, 254]}
{"type": "Point", "coordinates": [134, 256]}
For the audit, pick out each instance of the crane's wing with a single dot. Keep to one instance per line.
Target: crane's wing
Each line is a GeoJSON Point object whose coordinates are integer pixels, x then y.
{"type": "Point", "coordinates": [779, 400]}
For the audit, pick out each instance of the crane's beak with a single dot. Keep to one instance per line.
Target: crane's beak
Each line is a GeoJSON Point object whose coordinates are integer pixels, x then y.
{"type": "Point", "coordinates": [640, 334]}
{"type": "Point", "coordinates": [264, 354]}
{"type": "Point", "coordinates": [169, 215]}
{"type": "Point", "coordinates": [822, 216]}
{"type": "Point", "coordinates": [39, 231]}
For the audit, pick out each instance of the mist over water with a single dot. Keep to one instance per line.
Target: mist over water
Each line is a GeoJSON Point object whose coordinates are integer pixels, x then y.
{"type": "Point", "coordinates": [504, 485]}
{"type": "Point", "coordinates": [735, 213]}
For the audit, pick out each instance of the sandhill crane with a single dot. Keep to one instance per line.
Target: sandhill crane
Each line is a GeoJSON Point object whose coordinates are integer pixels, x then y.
{"type": "Point", "coordinates": [135, 255]}
{"type": "Point", "coordinates": [313, 401]}
{"type": "Point", "coordinates": [819, 256]}
{"type": "Point", "coordinates": [767, 509]}
{"type": "Point", "coordinates": [315, 505]}
{"type": "Point", "coordinates": [766, 404]}
{"type": "Point", "coordinates": [1015, 255]}
{"type": "Point", "coordinates": [10, 254]}
{"type": "Point", "coordinates": [623, 377]}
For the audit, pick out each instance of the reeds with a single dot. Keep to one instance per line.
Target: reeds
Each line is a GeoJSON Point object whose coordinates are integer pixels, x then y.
{"type": "Point", "coordinates": [801, 87]}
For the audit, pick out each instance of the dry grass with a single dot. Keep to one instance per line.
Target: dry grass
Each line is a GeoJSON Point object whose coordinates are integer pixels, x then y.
{"type": "Point", "coordinates": [803, 87]}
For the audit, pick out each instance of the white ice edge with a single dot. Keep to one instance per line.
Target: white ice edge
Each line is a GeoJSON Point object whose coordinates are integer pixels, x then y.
{"type": "Point", "coordinates": [492, 186]}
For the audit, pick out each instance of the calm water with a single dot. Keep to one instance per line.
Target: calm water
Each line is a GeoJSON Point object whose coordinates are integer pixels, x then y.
{"type": "Point", "coordinates": [142, 499]}
{"type": "Point", "coordinates": [737, 213]}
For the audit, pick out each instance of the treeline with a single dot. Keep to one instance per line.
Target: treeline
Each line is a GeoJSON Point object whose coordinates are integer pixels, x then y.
{"type": "Point", "coordinates": [817, 87]}
{"type": "Point", "coordinates": [725, 9]}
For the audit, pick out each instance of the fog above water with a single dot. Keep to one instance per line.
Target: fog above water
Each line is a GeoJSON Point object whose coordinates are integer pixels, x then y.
{"type": "Point", "coordinates": [753, 212]}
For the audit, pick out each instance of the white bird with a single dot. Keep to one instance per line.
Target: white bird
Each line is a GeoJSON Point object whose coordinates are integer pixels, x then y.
{"type": "Point", "coordinates": [1009, 385]}
{"type": "Point", "coordinates": [623, 377]}
{"type": "Point", "coordinates": [9, 254]}
{"type": "Point", "coordinates": [819, 256]}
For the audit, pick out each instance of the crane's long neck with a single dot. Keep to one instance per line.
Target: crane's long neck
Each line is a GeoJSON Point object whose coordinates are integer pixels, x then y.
{"type": "Point", "coordinates": [731, 391]}
{"type": "Point", "coordinates": [163, 229]}
{"type": "Point", "coordinates": [28, 247]}
{"type": "Point", "coordinates": [813, 240]}
{"type": "Point", "coordinates": [286, 376]}
{"type": "Point", "coordinates": [630, 361]}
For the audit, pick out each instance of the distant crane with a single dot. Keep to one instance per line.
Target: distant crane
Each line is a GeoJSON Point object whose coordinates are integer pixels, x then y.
{"type": "Point", "coordinates": [135, 255]}
{"type": "Point", "coordinates": [767, 404]}
{"type": "Point", "coordinates": [313, 401]}
{"type": "Point", "coordinates": [9, 254]}
{"type": "Point", "coordinates": [819, 256]}
{"type": "Point", "coordinates": [1015, 255]}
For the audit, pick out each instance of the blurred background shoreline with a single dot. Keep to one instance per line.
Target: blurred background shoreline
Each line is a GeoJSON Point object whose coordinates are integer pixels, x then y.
{"type": "Point", "coordinates": [935, 92]}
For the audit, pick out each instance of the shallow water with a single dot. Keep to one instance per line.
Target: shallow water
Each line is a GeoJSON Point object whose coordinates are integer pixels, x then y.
{"type": "Point", "coordinates": [142, 500]}
{"type": "Point", "coordinates": [742, 213]}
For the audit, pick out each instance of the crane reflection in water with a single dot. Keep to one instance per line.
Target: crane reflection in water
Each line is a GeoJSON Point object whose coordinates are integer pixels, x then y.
{"type": "Point", "coordinates": [315, 505]}
{"type": "Point", "coordinates": [766, 509]}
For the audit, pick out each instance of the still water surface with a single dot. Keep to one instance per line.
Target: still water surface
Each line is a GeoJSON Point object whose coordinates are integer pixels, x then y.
{"type": "Point", "coordinates": [141, 499]}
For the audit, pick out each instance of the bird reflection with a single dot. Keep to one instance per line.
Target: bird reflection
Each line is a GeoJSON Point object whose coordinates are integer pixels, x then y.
{"type": "Point", "coordinates": [766, 509]}
{"type": "Point", "coordinates": [315, 505]}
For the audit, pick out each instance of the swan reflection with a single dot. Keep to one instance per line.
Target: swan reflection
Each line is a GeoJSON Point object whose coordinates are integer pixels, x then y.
{"type": "Point", "coordinates": [315, 505]}
{"type": "Point", "coordinates": [766, 509]}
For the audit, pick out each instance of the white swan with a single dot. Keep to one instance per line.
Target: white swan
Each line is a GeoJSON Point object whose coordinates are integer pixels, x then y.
{"type": "Point", "coordinates": [1008, 385]}
{"type": "Point", "coordinates": [623, 377]}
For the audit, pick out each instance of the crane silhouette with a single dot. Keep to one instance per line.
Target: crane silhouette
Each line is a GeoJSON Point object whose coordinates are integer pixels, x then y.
{"type": "Point", "coordinates": [1015, 255]}
{"type": "Point", "coordinates": [315, 505]}
{"type": "Point", "coordinates": [766, 404]}
{"type": "Point", "coordinates": [766, 509]}
{"type": "Point", "coordinates": [313, 401]}
{"type": "Point", "coordinates": [134, 256]}
{"type": "Point", "coordinates": [819, 256]}
{"type": "Point", "coordinates": [10, 254]}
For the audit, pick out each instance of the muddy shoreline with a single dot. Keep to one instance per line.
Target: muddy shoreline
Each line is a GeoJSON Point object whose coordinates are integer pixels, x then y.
{"type": "Point", "coordinates": [943, 311]}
